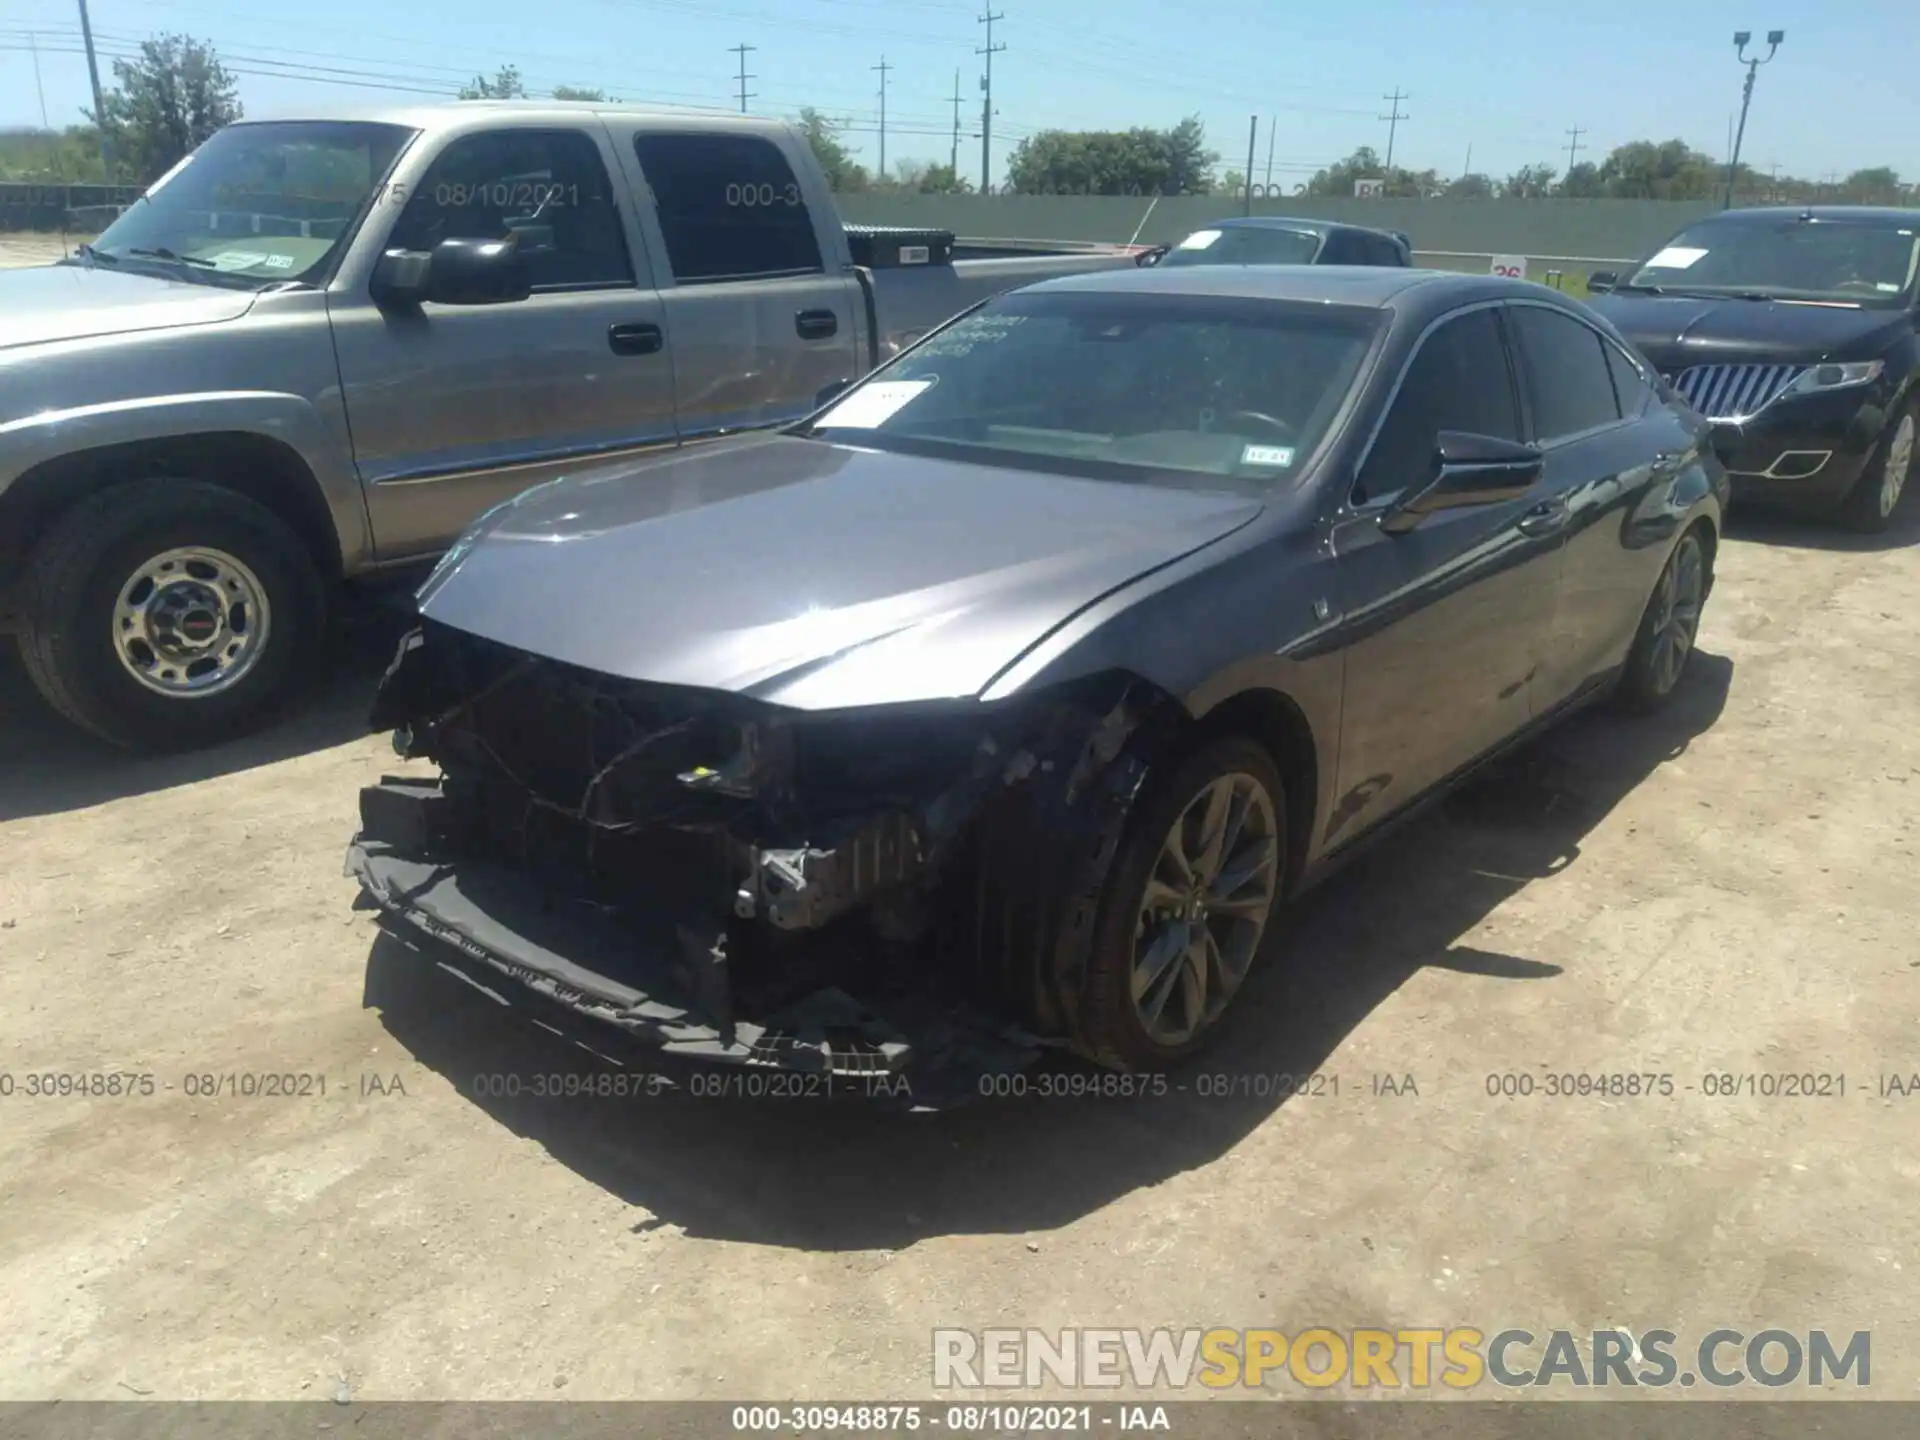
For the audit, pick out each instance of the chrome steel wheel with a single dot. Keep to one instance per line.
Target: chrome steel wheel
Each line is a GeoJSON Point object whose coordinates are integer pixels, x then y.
{"type": "Point", "coordinates": [1676, 618]}
{"type": "Point", "coordinates": [1204, 908]}
{"type": "Point", "coordinates": [191, 622]}
{"type": "Point", "coordinates": [1893, 473]}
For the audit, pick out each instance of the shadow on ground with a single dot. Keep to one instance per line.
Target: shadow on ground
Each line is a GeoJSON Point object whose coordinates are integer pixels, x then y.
{"type": "Point", "coordinates": [832, 1175]}
{"type": "Point", "coordinates": [1799, 532]}
{"type": "Point", "coordinates": [47, 765]}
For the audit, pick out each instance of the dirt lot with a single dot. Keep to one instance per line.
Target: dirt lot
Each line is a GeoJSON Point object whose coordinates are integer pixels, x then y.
{"type": "Point", "coordinates": [1728, 889]}
{"type": "Point", "coordinates": [29, 248]}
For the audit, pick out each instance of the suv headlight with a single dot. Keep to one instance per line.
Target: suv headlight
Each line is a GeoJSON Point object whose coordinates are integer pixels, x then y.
{"type": "Point", "coordinates": [1818, 379]}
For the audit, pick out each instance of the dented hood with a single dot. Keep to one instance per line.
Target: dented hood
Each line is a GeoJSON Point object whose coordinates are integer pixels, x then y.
{"type": "Point", "coordinates": [810, 574]}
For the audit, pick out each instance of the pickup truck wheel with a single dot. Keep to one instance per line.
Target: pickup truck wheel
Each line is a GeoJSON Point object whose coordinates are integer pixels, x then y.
{"type": "Point", "coordinates": [164, 614]}
{"type": "Point", "coordinates": [1187, 905]}
{"type": "Point", "coordinates": [1870, 505]}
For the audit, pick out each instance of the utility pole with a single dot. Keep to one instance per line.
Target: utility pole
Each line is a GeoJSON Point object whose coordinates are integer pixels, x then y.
{"type": "Point", "coordinates": [33, 44]}
{"type": "Point", "coordinates": [1270, 127]}
{"type": "Point", "coordinates": [986, 103]}
{"type": "Point", "coordinates": [883, 67]}
{"type": "Point", "coordinates": [1253, 139]}
{"type": "Point", "coordinates": [1741, 38]}
{"type": "Point", "coordinates": [1467, 169]}
{"type": "Point", "coordinates": [99, 105]}
{"type": "Point", "coordinates": [953, 163]}
{"type": "Point", "coordinates": [1573, 145]}
{"type": "Point", "coordinates": [741, 51]}
{"type": "Point", "coordinates": [1393, 124]}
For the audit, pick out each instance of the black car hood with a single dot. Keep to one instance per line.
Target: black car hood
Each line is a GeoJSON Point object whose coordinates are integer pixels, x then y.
{"type": "Point", "coordinates": [1678, 331]}
{"type": "Point", "coordinates": [809, 574]}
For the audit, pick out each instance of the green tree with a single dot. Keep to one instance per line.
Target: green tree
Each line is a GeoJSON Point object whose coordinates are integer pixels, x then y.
{"type": "Point", "coordinates": [1667, 170]}
{"type": "Point", "coordinates": [823, 138]}
{"type": "Point", "coordinates": [1473, 186]}
{"type": "Point", "coordinates": [62, 156]}
{"type": "Point", "coordinates": [1140, 161]}
{"type": "Point", "coordinates": [1877, 184]}
{"type": "Point", "coordinates": [576, 92]}
{"type": "Point", "coordinates": [1529, 182]}
{"type": "Point", "coordinates": [1583, 182]}
{"type": "Point", "coordinates": [1364, 164]}
{"type": "Point", "coordinates": [168, 99]}
{"type": "Point", "coordinates": [506, 84]}
{"type": "Point", "coordinates": [943, 180]}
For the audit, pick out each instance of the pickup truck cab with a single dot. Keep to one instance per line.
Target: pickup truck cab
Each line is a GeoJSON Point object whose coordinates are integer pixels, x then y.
{"type": "Point", "coordinates": [317, 349]}
{"type": "Point", "coordinates": [1286, 240]}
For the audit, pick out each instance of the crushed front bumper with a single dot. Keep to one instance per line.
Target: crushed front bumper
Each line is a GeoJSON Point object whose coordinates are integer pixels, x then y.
{"type": "Point", "coordinates": [649, 973]}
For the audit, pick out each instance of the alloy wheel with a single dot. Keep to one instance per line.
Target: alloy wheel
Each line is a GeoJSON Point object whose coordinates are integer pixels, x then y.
{"type": "Point", "coordinates": [1204, 908]}
{"type": "Point", "coordinates": [1893, 473]}
{"type": "Point", "coordinates": [1677, 613]}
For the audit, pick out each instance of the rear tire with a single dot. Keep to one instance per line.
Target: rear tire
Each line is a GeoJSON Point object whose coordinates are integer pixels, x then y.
{"type": "Point", "coordinates": [1869, 507]}
{"type": "Point", "coordinates": [1201, 920]}
{"type": "Point", "coordinates": [167, 614]}
{"type": "Point", "coordinates": [1663, 646]}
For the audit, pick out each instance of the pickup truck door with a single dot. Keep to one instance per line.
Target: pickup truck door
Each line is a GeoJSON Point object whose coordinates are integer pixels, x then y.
{"type": "Point", "coordinates": [455, 408]}
{"type": "Point", "coordinates": [762, 311]}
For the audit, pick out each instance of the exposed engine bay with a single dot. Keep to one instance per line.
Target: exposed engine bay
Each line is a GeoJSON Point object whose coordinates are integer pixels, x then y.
{"type": "Point", "coordinates": [853, 893]}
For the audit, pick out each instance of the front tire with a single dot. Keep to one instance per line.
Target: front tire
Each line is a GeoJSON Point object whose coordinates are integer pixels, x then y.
{"type": "Point", "coordinates": [1187, 904]}
{"type": "Point", "coordinates": [166, 614]}
{"type": "Point", "coordinates": [1663, 646]}
{"type": "Point", "coordinates": [1870, 505]}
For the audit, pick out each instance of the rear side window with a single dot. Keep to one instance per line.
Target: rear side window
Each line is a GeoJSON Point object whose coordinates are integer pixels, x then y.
{"type": "Point", "coordinates": [1629, 385]}
{"type": "Point", "coordinates": [1458, 380]}
{"type": "Point", "coordinates": [729, 207]}
{"type": "Point", "coordinates": [1382, 251]}
{"type": "Point", "coordinates": [1564, 367]}
{"type": "Point", "coordinates": [1343, 248]}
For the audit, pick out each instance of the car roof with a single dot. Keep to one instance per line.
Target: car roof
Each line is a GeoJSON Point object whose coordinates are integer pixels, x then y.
{"type": "Point", "coordinates": [1298, 222]}
{"type": "Point", "coordinates": [437, 115]}
{"type": "Point", "coordinates": [1876, 214]}
{"type": "Point", "coordinates": [1366, 286]}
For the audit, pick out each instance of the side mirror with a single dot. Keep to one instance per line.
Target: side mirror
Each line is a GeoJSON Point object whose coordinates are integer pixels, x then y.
{"type": "Point", "coordinates": [1153, 256]}
{"type": "Point", "coordinates": [1469, 470]}
{"type": "Point", "coordinates": [454, 272]}
{"type": "Point", "coordinates": [831, 392]}
{"type": "Point", "coordinates": [1601, 281]}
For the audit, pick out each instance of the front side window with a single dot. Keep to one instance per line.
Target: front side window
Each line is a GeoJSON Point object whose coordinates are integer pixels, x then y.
{"type": "Point", "coordinates": [1866, 262]}
{"type": "Point", "coordinates": [548, 187]}
{"type": "Point", "coordinates": [257, 204]}
{"type": "Point", "coordinates": [729, 207]}
{"type": "Point", "coordinates": [1458, 380]}
{"type": "Point", "coordinates": [1218, 393]}
{"type": "Point", "coordinates": [1629, 385]}
{"type": "Point", "coordinates": [1245, 245]}
{"type": "Point", "coordinates": [1564, 365]}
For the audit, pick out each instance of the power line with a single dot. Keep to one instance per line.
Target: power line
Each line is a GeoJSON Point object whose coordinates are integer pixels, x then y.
{"type": "Point", "coordinates": [883, 67]}
{"type": "Point", "coordinates": [741, 50]}
{"type": "Point", "coordinates": [986, 103]}
{"type": "Point", "coordinates": [1393, 122]}
{"type": "Point", "coordinates": [1573, 145]}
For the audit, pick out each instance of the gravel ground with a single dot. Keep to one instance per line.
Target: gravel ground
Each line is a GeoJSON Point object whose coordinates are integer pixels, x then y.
{"type": "Point", "coordinates": [1727, 889]}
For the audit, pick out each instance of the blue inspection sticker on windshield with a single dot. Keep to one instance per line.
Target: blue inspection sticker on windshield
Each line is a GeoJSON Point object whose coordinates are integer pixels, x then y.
{"type": "Point", "coordinates": [1280, 456]}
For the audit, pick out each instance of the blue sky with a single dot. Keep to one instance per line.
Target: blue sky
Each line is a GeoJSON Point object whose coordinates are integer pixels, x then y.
{"type": "Point", "coordinates": [1505, 81]}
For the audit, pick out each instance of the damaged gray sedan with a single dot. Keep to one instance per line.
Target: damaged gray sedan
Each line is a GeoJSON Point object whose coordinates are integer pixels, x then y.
{"type": "Point", "coordinates": [1004, 700]}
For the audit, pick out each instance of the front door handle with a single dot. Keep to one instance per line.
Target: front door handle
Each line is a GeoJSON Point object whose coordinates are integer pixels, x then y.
{"type": "Point", "coordinates": [816, 324]}
{"type": "Point", "coordinates": [1545, 518]}
{"type": "Point", "coordinates": [636, 339]}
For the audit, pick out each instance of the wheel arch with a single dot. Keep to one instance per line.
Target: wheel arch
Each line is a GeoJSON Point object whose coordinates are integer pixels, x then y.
{"type": "Point", "coordinates": [265, 470]}
{"type": "Point", "coordinates": [1278, 724]}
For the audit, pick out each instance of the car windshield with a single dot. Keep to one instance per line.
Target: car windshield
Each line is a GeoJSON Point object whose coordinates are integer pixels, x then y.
{"type": "Point", "coordinates": [1245, 245]}
{"type": "Point", "coordinates": [1854, 261]}
{"type": "Point", "coordinates": [256, 204]}
{"type": "Point", "coordinates": [1212, 392]}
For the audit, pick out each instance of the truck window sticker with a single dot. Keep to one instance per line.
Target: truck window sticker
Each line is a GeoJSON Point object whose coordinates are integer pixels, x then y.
{"type": "Point", "coordinates": [1675, 257]}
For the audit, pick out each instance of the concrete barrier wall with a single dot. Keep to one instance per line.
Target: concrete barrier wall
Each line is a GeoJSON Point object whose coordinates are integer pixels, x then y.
{"type": "Point", "coordinates": [1583, 230]}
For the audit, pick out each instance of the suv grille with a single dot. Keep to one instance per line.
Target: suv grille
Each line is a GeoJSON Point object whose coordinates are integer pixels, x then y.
{"type": "Point", "coordinates": [1733, 392]}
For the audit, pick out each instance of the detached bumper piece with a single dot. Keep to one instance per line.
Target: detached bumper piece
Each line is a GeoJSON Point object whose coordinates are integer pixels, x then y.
{"type": "Point", "coordinates": [662, 977]}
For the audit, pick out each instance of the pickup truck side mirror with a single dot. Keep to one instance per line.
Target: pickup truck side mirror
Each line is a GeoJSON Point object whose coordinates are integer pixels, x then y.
{"type": "Point", "coordinates": [1469, 470]}
{"type": "Point", "coordinates": [1601, 281]}
{"type": "Point", "coordinates": [454, 272]}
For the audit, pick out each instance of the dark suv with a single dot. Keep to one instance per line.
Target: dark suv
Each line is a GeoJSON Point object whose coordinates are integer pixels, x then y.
{"type": "Point", "coordinates": [1281, 240]}
{"type": "Point", "coordinates": [1797, 333]}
